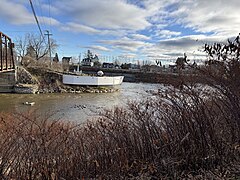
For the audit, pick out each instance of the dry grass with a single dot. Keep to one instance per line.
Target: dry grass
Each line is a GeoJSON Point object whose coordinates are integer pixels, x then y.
{"type": "Point", "coordinates": [181, 134]}
{"type": "Point", "coordinates": [188, 133]}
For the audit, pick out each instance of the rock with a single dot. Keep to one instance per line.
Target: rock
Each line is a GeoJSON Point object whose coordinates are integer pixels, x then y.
{"type": "Point", "coordinates": [72, 91]}
{"type": "Point", "coordinates": [88, 91]}
{"type": "Point", "coordinates": [29, 103]}
{"type": "Point", "coordinates": [26, 89]}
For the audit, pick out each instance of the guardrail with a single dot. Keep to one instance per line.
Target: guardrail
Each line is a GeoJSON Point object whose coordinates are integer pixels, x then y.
{"type": "Point", "coordinates": [6, 53]}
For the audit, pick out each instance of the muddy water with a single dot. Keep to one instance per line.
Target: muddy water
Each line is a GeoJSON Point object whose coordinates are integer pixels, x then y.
{"type": "Point", "coordinates": [76, 107]}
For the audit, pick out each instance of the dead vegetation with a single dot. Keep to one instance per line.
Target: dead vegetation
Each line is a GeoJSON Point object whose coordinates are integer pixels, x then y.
{"type": "Point", "coordinates": [173, 136]}
{"type": "Point", "coordinates": [187, 133]}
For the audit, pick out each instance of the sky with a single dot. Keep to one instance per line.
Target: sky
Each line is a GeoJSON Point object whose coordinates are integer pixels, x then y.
{"type": "Point", "coordinates": [127, 30]}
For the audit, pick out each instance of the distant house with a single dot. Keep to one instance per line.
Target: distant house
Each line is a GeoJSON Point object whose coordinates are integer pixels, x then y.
{"type": "Point", "coordinates": [130, 66]}
{"type": "Point", "coordinates": [66, 63]}
{"type": "Point", "coordinates": [108, 65]}
{"type": "Point", "coordinates": [87, 62]}
{"type": "Point", "coordinates": [90, 60]}
{"type": "Point", "coordinates": [66, 60]}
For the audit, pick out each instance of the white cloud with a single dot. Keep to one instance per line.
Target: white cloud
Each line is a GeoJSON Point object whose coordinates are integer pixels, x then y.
{"type": "Point", "coordinates": [107, 14]}
{"type": "Point", "coordinates": [74, 27]}
{"type": "Point", "coordinates": [170, 49]}
{"type": "Point", "coordinates": [127, 55]}
{"type": "Point", "coordinates": [159, 11]}
{"type": "Point", "coordinates": [49, 21]}
{"type": "Point", "coordinates": [219, 17]}
{"type": "Point", "coordinates": [166, 33]}
{"type": "Point", "coordinates": [15, 13]}
{"type": "Point", "coordinates": [97, 48]}
{"type": "Point", "coordinates": [125, 44]}
{"type": "Point", "coordinates": [216, 20]}
{"type": "Point", "coordinates": [136, 23]}
{"type": "Point", "coordinates": [53, 10]}
{"type": "Point", "coordinates": [80, 28]}
{"type": "Point", "coordinates": [139, 37]}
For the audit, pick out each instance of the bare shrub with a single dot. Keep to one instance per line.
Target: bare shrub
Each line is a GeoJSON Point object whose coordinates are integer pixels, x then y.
{"type": "Point", "coordinates": [191, 132]}
{"type": "Point", "coordinates": [179, 134]}
{"type": "Point", "coordinates": [32, 147]}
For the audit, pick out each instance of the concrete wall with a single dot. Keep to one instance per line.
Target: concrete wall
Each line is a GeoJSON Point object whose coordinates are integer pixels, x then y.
{"type": "Point", "coordinates": [7, 81]}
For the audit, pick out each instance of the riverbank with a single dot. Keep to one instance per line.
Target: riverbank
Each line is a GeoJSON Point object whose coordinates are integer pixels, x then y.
{"type": "Point", "coordinates": [68, 105]}
{"type": "Point", "coordinates": [165, 138]}
{"type": "Point", "coordinates": [177, 134]}
{"type": "Point", "coordinates": [162, 77]}
{"type": "Point", "coordinates": [37, 80]}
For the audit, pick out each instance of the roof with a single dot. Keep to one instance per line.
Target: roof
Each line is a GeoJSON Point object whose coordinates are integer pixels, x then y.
{"type": "Point", "coordinates": [66, 57]}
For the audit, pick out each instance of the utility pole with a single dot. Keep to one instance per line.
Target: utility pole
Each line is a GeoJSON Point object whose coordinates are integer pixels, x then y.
{"type": "Point", "coordinates": [49, 46]}
{"type": "Point", "coordinates": [79, 61]}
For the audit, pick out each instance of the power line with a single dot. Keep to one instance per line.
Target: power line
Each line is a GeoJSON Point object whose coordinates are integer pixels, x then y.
{"type": "Point", "coordinates": [34, 13]}
{"type": "Point", "coordinates": [16, 31]}
{"type": "Point", "coordinates": [49, 12]}
{"type": "Point", "coordinates": [41, 18]}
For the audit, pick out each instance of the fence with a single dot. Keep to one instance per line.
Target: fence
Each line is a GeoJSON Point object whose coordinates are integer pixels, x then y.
{"type": "Point", "coordinates": [6, 53]}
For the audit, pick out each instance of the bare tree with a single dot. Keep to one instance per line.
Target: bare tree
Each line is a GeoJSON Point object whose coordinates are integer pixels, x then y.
{"type": "Point", "coordinates": [40, 46]}
{"type": "Point", "coordinates": [34, 46]}
{"type": "Point", "coordinates": [21, 46]}
{"type": "Point", "coordinates": [158, 62]}
{"type": "Point", "coordinates": [116, 62]}
{"type": "Point", "coordinates": [147, 63]}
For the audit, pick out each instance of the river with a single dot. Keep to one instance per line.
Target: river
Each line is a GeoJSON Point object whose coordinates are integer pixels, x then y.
{"type": "Point", "coordinates": [76, 107]}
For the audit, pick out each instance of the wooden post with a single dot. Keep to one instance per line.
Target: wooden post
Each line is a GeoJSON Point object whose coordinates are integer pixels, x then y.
{"type": "Point", "coordinates": [1, 58]}
{"type": "Point", "coordinates": [5, 43]}
{"type": "Point", "coordinates": [6, 53]}
{"type": "Point", "coordinates": [11, 54]}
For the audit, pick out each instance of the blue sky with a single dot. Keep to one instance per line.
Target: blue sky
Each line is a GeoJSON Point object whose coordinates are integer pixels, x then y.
{"type": "Point", "coordinates": [128, 29]}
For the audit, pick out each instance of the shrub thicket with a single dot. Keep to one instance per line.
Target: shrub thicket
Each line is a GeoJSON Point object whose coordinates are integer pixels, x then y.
{"type": "Point", "coordinates": [186, 133]}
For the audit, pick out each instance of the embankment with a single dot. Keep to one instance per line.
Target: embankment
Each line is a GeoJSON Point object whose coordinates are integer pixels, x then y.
{"type": "Point", "coordinates": [174, 79]}
{"type": "Point", "coordinates": [39, 80]}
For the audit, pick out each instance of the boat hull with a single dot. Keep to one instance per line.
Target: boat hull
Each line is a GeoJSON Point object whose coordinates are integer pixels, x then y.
{"type": "Point", "coordinates": [92, 80]}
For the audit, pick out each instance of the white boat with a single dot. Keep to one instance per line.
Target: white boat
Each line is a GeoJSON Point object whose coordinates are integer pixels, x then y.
{"type": "Point", "coordinates": [92, 80]}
